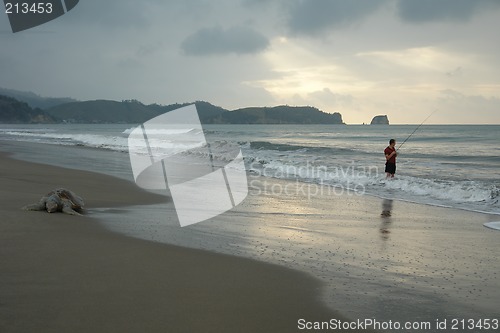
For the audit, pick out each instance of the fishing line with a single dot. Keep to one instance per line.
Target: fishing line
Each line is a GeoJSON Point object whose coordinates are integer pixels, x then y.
{"type": "Point", "coordinates": [416, 129]}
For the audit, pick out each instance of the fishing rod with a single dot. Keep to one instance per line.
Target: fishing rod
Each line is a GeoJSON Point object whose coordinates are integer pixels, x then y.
{"type": "Point", "coordinates": [416, 129]}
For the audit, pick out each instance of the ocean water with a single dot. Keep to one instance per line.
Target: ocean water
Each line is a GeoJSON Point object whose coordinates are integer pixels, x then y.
{"type": "Point", "coordinates": [444, 165]}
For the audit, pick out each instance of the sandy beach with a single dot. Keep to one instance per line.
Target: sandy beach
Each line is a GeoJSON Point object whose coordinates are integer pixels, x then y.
{"type": "Point", "coordinates": [62, 273]}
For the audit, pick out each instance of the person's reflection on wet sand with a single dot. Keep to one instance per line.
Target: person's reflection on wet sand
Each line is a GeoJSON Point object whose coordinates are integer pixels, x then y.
{"type": "Point", "coordinates": [386, 218]}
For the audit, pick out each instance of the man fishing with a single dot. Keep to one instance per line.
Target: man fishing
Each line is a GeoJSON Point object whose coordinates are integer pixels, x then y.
{"type": "Point", "coordinates": [391, 153]}
{"type": "Point", "coordinates": [390, 157]}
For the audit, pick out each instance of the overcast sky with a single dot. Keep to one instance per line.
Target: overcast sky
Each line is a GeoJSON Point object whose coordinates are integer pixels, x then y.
{"type": "Point", "coordinates": [403, 58]}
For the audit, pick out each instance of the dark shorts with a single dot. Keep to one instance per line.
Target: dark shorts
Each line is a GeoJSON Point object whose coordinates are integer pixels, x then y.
{"type": "Point", "coordinates": [390, 168]}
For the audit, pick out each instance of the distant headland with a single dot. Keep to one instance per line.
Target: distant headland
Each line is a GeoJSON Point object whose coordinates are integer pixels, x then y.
{"type": "Point", "coordinates": [26, 107]}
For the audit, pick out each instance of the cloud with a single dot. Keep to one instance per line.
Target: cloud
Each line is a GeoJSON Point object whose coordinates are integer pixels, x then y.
{"type": "Point", "coordinates": [109, 14]}
{"type": "Point", "coordinates": [422, 11]}
{"type": "Point", "coordinates": [118, 16]}
{"type": "Point", "coordinates": [456, 72]}
{"type": "Point", "coordinates": [457, 107]}
{"type": "Point", "coordinates": [254, 3]}
{"type": "Point", "coordinates": [312, 17]}
{"type": "Point", "coordinates": [216, 40]}
{"type": "Point", "coordinates": [331, 100]}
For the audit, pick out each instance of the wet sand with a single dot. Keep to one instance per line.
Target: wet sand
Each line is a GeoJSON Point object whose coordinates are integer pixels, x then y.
{"type": "Point", "coordinates": [62, 273]}
{"type": "Point", "coordinates": [386, 259]}
{"type": "Point", "coordinates": [378, 259]}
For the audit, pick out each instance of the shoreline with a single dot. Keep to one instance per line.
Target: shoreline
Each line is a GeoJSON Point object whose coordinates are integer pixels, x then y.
{"type": "Point", "coordinates": [125, 173]}
{"type": "Point", "coordinates": [68, 273]}
{"type": "Point", "coordinates": [468, 210]}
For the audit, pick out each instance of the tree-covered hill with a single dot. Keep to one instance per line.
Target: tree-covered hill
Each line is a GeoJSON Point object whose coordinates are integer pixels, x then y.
{"type": "Point", "coordinates": [103, 111]}
{"type": "Point", "coordinates": [13, 111]}
{"type": "Point", "coordinates": [132, 112]}
{"type": "Point", "coordinates": [283, 114]}
{"type": "Point", "coordinates": [34, 100]}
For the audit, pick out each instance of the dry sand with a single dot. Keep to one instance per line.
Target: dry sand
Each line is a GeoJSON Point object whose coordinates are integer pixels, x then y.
{"type": "Point", "coordinates": [62, 273]}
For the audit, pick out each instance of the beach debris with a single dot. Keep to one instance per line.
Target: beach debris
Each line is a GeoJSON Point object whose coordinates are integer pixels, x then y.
{"type": "Point", "coordinates": [59, 200]}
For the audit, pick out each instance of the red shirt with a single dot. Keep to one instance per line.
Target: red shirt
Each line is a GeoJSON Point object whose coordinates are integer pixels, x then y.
{"type": "Point", "coordinates": [388, 151]}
